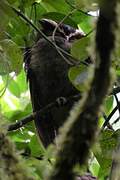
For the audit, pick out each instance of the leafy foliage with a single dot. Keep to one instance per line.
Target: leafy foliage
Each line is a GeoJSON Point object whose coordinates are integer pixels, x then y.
{"type": "Point", "coordinates": [15, 35]}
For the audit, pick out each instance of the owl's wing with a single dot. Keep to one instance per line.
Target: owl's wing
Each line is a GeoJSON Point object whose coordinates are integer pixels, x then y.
{"type": "Point", "coordinates": [44, 123]}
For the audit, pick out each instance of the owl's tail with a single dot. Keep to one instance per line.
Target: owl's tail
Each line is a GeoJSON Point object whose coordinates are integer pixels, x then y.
{"type": "Point", "coordinates": [45, 128]}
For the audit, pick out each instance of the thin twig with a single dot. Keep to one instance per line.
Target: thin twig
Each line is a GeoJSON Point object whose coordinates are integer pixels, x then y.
{"type": "Point", "coordinates": [108, 124]}
{"type": "Point", "coordinates": [109, 117]}
{"type": "Point", "coordinates": [91, 31]}
{"type": "Point", "coordinates": [53, 37]}
{"type": "Point", "coordinates": [118, 103]}
{"type": "Point", "coordinates": [116, 120]}
{"type": "Point", "coordinates": [58, 25]}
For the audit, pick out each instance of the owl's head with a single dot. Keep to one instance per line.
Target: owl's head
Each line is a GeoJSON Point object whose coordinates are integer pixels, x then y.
{"type": "Point", "coordinates": [62, 30]}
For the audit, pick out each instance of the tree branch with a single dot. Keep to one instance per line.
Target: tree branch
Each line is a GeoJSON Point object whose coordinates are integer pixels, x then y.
{"type": "Point", "coordinates": [61, 101]}
{"type": "Point", "coordinates": [31, 117]}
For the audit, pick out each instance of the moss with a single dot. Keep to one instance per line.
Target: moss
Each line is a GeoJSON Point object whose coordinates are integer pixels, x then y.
{"type": "Point", "coordinates": [12, 166]}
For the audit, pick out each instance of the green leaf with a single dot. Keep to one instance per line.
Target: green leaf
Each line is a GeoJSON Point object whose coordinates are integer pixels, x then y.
{"type": "Point", "coordinates": [14, 88]}
{"type": "Point", "coordinates": [56, 16]}
{"type": "Point", "coordinates": [108, 104]}
{"type": "Point", "coordinates": [17, 138]}
{"type": "Point", "coordinates": [108, 142]}
{"type": "Point", "coordinates": [79, 4]}
{"type": "Point", "coordinates": [79, 48]}
{"type": "Point", "coordinates": [19, 114]}
{"type": "Point", "coordinates": [11, 1]}
{"type": "Point", "coordinates": [6, 13]}
{"type": "Point", "coordinates": [75, 19]}
{"type": "Point", "coordinates": [4, 7]}
{"type": "Point", "coordinates": [8, 103]}
{"type": "Point", "coordinates": [27, 3]}
{"type": "Point", "coordinates": [36, 147]}
{"type": "Point", "coordinates": [22, 82]}
{"type": "Point", "coordinates": [22, 136]}
{"type": "Point", "coordinates": [40, 10]}
{"type": "Point", "coordinates": [14, 54]}
{"type": "Point", "coordinates": [15, 115]}
{"type": "Point", "coordinates": [4, 63]}
{"type": "Point", "coordinates": [86, 23]}
{"type": "Point", "coordinates": [91, 5]}
{"type": "Point", "coordinates": [56, 5]}
{"type": "Point", "coordinates": [94, 167]}
{"type": "Point", "coordinates": [79, 77]}
{"type": "Point", "coordinates": [3, 85]}
{"type": "Point", "coordinates": [18, 30]}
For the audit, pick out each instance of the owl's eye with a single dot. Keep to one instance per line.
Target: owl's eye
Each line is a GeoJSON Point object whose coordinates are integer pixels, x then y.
{"type": "Point", "coordinates": [67, 29]}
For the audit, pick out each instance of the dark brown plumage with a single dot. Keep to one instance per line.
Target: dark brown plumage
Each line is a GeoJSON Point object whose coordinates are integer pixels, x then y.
{"type": "Point", "coordinates": [47, 74]}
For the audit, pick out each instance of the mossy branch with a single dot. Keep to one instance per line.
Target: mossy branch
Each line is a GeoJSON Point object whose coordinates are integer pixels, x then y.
{"type": "Point", "coordinates": [12, 166]}
{"type": "Point", "coordinates": [79, 132]}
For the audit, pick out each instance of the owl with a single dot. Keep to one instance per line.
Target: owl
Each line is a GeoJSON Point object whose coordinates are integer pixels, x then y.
{"type": "Point", "coordinates": [47, 74]}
